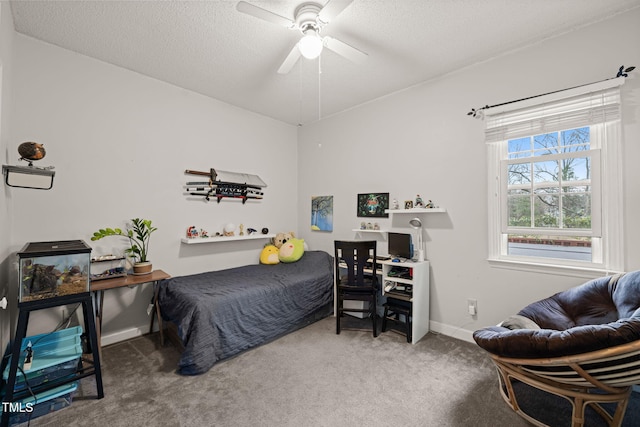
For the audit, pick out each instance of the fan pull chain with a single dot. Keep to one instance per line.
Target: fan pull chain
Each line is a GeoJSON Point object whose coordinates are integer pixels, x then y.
{"type": "Point", "coordinates": [319, 88]}
{"type": "Point", "coordinates": [299, 93]}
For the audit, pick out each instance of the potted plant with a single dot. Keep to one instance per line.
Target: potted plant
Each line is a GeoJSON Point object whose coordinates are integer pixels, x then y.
{"type": "Point", "coordinates": [138, 233]}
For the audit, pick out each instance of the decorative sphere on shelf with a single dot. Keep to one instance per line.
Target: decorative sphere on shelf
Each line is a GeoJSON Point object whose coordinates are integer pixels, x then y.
{"type": "Point", "coordinates": [31, 151]}
{"type": "Point", "coordinates": [229, 229]}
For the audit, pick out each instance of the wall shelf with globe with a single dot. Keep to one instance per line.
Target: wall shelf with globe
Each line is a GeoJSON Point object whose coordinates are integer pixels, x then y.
{"type": "Point", "coordinates": [40, 178]}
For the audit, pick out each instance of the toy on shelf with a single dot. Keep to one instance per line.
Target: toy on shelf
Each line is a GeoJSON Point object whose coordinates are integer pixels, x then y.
{"type": "Point", "coordinates": [115, 267]}
{"type": "Point", "coordinates": [192, 232]}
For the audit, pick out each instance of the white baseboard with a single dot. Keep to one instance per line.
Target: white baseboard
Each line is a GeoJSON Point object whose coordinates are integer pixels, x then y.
{"type": "Point", "coordinates": [123, 335]}
{"type": "Point", "coordinates": [440, 328]}
{"type": "Point", "coordinates": [451, 331]}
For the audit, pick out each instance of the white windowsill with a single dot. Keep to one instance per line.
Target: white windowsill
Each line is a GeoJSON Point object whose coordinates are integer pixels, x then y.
{"type": "Point", "coordinates": [564, 270]}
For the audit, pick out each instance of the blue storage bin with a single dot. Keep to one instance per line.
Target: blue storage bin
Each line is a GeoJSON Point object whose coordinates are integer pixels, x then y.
{"type": "Point", "coordinates": [55, 355]}
{"type": "Point", "coordinates": [43, 403]}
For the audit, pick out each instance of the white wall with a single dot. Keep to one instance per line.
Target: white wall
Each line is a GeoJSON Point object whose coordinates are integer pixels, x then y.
{"type": "Point", "coordinates": [421, 141]}
{"type": "Point", "coordinates": [6, 45]}
{"type": "Point", "coordinates": [120, 143]}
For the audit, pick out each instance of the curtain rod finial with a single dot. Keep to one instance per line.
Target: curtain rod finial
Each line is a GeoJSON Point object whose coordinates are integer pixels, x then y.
{"type": "Point", "coordinates": [622, 72]}
{"type": "Point", "coordinates": [477, 114]}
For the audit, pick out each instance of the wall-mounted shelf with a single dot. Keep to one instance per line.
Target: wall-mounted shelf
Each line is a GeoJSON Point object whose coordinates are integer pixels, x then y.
{"type": "Point", "coordinates": [414, 210]}
{"type": "Point", "coordinates": [222, 239]}
{"type": "Point", "coordinates": [360, 230]}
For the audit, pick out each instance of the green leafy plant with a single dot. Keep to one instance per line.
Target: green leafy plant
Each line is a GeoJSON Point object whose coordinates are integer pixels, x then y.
{"type": "Point", "coordinates": [138, 233]}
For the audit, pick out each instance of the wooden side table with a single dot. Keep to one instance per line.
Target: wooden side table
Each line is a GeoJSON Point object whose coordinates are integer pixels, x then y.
{"type": "Point", "coordinates": [98, 287]}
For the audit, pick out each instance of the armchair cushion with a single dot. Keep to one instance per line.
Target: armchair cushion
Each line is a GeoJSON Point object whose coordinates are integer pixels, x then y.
{"type": "Point", "coordinates": [531, 343]}
{"type": "Point", "coordinates": [601, 313]}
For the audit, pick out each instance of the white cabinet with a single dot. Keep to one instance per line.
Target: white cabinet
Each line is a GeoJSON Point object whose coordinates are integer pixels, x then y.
{"type": "Point", "coordinates": [409, 281]}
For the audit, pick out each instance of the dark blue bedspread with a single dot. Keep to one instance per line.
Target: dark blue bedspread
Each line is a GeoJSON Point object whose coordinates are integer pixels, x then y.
{"type": "Point", "coordinates": [221, 313]}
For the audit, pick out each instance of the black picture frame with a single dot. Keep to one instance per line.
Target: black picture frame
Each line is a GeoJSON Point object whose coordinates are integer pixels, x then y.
{"type": "Point", "coordinates": [373, 205]}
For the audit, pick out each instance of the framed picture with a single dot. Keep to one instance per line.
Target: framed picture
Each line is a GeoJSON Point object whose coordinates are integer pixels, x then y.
{"type": "Point", "coordinates": [373, 205]}
{"type": "Point", "coordinates": [322, 213]}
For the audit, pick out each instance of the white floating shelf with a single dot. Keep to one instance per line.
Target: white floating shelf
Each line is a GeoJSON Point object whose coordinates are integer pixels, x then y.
{"type": "Point", "coordinates": [360, 230]}
{"type": "Point", "coordinates": [414, 210]}
{"type": "Point", "coordinates": [222, 239]}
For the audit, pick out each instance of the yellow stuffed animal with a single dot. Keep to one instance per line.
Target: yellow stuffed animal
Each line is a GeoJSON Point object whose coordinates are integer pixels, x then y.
{"type": "Point", "coordinates": [269, 255]}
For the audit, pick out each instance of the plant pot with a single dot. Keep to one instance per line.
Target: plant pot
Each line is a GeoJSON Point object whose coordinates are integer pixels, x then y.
{"type": "Point", "coordinates": [140, 268]}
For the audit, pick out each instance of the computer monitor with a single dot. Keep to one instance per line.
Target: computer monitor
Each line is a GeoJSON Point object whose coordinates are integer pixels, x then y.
{"type": "Point", "coordinates": [400, 245]}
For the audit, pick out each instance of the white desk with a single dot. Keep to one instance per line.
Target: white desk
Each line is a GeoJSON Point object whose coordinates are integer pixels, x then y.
{"type": "Point", "coordinates": [419, 298]}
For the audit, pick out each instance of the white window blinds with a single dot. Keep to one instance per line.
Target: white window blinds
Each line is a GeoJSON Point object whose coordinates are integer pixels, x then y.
{"type": "Point", "coordinates": [585, 105]}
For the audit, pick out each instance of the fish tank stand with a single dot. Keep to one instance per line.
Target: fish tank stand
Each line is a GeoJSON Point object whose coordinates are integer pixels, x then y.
{"type": "Point", "coordinates": [87, 367]}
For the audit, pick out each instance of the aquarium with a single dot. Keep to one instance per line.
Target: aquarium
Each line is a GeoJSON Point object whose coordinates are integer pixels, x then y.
{"type": "Point", "coordinates": [52, 269]}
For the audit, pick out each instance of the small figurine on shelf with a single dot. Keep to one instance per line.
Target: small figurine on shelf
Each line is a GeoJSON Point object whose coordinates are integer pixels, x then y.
{"type": "Point", "coordinates": [241, 226]}
{"type": "Point", "coordinates": [363, 226]}
{"type": "Point", "coordinates": [229, 229]}
{"type": "Point", "coordinates": [204, 233]}
{"type": "Point", "coordinates": [430, 205]}
{"type": "Point", "coordinates": [376, 226]}
{"type": "Point", "coordinates": [419, 202]}
{"type": "Point", "coordinates": [192, 232]}
{"type": "Point", "coordinates": [251, 231]}
{"type": "Point", "coordinates": [369, 226]}
{"type": "Point", "coordinates": [395, 204]}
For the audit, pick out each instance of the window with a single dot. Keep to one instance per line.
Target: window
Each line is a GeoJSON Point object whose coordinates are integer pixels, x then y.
{"type": "Point", "coordinates": [555, 181]}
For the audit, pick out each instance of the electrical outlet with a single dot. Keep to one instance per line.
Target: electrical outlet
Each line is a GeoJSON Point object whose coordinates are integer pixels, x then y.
{"type": "Point", "coordinates": [472, 306]}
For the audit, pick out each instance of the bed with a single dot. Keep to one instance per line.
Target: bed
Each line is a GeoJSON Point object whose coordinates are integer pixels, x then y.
{"type": "Point", "coordinates": [219, 314]}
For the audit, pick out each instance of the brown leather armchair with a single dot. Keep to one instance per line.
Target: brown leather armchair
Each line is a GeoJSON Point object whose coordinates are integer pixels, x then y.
{"type": "Point", "coordinates": [582, 344]}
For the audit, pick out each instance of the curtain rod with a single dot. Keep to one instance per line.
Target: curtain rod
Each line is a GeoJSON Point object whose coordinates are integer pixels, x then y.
{"type": "Point", "coordinates": [478, 113]}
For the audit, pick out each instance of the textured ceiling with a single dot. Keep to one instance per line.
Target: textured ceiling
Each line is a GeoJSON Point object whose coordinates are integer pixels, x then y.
{"type": "Point", "coordinates": [211, 48]}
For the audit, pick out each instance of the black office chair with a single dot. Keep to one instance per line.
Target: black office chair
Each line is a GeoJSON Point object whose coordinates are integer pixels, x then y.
{"type": "Point", "coordinates": [356, 285]}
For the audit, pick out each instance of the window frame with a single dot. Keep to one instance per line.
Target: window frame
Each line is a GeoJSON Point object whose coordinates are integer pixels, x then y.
{"type": "Point", "coordinates": [608, 240]}
{"type": "Point", "coordinates": [595, 184]}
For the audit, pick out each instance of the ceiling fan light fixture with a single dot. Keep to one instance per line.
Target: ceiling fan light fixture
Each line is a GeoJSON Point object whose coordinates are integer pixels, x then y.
{"type": "Point", "coordinates": [310, 45]}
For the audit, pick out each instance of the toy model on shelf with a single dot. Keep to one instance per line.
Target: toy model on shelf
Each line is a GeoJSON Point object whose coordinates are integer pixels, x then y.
{"type": "Point", "coordinates": [115, 267]}
{"type": "Point", "coordinates": [223, 184]}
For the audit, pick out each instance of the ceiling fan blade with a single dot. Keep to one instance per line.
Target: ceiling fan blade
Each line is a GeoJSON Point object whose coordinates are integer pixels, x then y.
{"type": "Point", "coordinates": [264, 14]}
{"type": "Point", "coordinates": [332, 9]}
{"type": "Point", "coordinates": [290, 60]}
{"type": "Point", "coordinates": [343, 49]}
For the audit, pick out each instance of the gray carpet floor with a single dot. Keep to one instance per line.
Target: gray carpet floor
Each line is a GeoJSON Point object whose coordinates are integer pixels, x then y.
{"type": "Point", "coordinates": [311, 377]}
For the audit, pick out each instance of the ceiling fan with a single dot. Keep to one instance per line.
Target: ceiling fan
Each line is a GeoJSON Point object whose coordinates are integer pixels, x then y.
{"type": "Point", "coordinates": [310, 19]}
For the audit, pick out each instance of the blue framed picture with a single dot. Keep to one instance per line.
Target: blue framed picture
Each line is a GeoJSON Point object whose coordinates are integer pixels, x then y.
{"type": "Point", "coordinates": [322, 213]}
